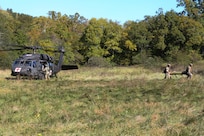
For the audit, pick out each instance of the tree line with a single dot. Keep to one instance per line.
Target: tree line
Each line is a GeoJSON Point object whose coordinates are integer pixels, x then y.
{"type": "Point", "coordinates": [165, 37]}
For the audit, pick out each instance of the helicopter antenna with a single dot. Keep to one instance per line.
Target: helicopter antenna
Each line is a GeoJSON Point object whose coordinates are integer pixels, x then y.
{"type": "Point", "coordinates": [34, 49]}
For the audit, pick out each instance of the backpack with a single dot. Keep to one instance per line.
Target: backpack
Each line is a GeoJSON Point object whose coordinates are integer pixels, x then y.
{"type": "Point", "coordinates": [164, 71]}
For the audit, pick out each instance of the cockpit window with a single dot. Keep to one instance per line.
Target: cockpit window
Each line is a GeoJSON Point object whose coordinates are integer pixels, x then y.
{"type": "Point", "coordinates": [34, 64]}
{"type": "Point", "coordinates": [21, 63]}
{"type": "Point", "coordinates": [16, 62]}
{"type": "Point", "coordinates": [25, 63]}
{"type": "Point", "coordinates": [28, 63]}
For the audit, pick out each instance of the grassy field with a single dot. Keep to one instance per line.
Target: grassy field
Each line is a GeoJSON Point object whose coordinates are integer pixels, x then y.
{"type": "Point", "coordinates": [118, 101]}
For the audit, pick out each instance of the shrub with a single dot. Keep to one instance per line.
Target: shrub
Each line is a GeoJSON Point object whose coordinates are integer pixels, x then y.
{"type": "Point", "coordinates": [148, 61]}
{"type": "Point", "coordinates": [98, 62]}
{"type": "Point", "coordinates": [186, 57]}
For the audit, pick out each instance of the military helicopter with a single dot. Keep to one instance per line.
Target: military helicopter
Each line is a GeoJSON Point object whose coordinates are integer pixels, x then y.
{"type": "Point", "coordinates": [31, 64]}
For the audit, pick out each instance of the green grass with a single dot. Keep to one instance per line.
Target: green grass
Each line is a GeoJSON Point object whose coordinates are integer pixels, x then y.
{"type": "Point", "coordinates": [103, 101]}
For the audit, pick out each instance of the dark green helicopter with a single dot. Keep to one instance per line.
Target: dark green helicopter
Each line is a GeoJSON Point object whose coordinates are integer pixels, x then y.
{"type": "Point", "coordinates": [31, 64]}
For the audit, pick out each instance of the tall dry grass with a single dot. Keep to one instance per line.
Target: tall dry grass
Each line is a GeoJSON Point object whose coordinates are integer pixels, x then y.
{"type": "Point", "coordinates": [102, 101]}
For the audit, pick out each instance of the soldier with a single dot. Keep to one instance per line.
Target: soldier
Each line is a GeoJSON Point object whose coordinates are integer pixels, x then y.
{"type": "Point", "coordinates": [189, 71]}
{"type": "Point", "coordinates": [46, 69]}
{"type": "Point", "coordinates": [167, 72]}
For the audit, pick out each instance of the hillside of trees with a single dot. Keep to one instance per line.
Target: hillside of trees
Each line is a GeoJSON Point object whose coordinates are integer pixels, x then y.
{"type": "Point", "coordinates": [165, 37]}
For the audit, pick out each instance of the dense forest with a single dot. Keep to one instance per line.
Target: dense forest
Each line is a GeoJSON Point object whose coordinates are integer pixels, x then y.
{"type": "Point", "coordinates": [165, 37]}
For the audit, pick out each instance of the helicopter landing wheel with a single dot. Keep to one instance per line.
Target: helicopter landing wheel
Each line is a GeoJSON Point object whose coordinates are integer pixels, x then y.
{"type": "Point", "coordinates": [41, 76]}
{"type": "Point", "coordinates": [30, 77]}
{"type": "Point", "coordinates": [18, 77]}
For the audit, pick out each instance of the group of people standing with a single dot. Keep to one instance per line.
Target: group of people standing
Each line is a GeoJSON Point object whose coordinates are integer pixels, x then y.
{"type": "Point", "coordinates": [187, 72]}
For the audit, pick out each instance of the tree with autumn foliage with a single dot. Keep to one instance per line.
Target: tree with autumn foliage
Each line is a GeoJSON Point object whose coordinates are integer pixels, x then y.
{"type": "Point", "coordinates": [101, 38]}
{"type": "Point", "coordinates": [170, 36]}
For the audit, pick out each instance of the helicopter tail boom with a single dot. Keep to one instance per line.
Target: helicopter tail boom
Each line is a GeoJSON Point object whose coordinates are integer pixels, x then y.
{"type": "Point", "coordinates": [69, 67]}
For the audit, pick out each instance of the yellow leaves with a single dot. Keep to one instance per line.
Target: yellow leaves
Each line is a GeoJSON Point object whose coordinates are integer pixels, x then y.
{"type": "Point", "coordinates": [124, 34]}
{"type": "Point", "coordinates": [34, 34]}
{"type": "Point", "coordinates": [6, 14]}
{"type": "Point", "coordinates": [130, 45]}
{"type": "Point", "coordinates": [46, 43]}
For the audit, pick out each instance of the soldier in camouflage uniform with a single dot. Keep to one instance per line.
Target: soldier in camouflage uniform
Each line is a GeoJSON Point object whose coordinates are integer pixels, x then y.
{"type": "Point", "coordinates": [167, 72]}
{"type": "Point", "coordinates": [189, 71]}
{"type": "Point", "coordinates": [46, 70]}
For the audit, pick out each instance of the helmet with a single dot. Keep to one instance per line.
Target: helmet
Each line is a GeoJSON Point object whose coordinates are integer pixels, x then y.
{"type": "Point", "coordinates": [168, 65]}
{"type": "Point", "coordinates": [190, 64]}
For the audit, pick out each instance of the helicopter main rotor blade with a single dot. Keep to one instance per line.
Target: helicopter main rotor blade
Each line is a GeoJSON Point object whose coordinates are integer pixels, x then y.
{"type": "Point", "coordinates": [51, 49]}
{"type": "Point", "coordinates": [14, 47]}
{"type": "Point", "coordinates": [17, 47]}
{"type": "Point", "coordinates": [11, 49]}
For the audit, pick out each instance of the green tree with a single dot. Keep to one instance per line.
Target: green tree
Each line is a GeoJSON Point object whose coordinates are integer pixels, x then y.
{"type": "Point", "coordinates": [110, 43]}
{"type": "Point", "coordinates": [40, 29]}
{"type": "Point", "coordinates": [140, 37]}
{"type": "Point", "coordinates": [174, 34]}
{"type": "Point", "coordinates": [92, 38]}
{"type": "Point", "coordinates": [7, 37]}
{"type": "Point", "coordinates": [175, 38]}
{"type": "Point", "coordinates": [184, 37]}
{"type": "Point", "coordinates": [7, 27]}
{"type": "Point", "coordinates": [77, 25]}
{"type": "Point", "coordinates": [22, 23]}
{"type": "Point", "coordinates": [158, 26]}
{"type": "Point", "coordinates": [192, 31]}
{"type": "Point", "coordinates": [193, 9]}
{"type": "Point", "coordinates": [101, 38]}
